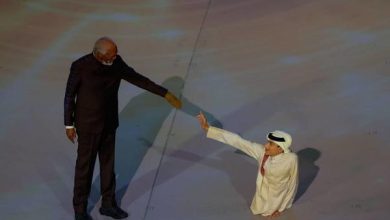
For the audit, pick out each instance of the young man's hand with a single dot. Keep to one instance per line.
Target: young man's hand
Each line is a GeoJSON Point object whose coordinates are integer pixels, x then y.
{"type": "Point", "coordinates": [203, 121]}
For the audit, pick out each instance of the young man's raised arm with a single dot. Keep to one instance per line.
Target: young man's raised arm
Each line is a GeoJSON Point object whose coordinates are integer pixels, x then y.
{"type": "Point", "coordinates": [252, 149]}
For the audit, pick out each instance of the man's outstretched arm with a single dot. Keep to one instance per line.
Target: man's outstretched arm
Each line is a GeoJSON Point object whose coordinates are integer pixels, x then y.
{"type": "Point", "coordinates": [131, 76]}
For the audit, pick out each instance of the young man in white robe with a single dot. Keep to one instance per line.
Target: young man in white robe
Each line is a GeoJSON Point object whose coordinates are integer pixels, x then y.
{"type": "Point", "coordinates": [277, 179]}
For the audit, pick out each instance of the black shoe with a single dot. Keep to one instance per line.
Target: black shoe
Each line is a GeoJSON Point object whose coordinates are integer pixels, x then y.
{"type": "Point", "coordinates": [82, 216]}
{"type": "Point", "coordinates": [113, 212]}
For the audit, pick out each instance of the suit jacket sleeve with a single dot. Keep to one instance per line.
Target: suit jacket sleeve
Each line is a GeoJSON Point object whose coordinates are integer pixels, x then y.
{"type": "Point", "coordinates": [72, 86]}
{"type": "Point", "coordinates": [131, 76]}
{"type": "Point", "coordinates": [252, 149]}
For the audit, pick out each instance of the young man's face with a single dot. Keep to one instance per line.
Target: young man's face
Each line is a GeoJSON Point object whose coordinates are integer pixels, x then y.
{"type": "Point", "coordinates": [272, 149]}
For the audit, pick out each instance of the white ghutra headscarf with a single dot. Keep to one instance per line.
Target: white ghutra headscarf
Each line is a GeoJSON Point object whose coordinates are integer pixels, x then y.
{"type": "Point", "coordinates": [282, 139]}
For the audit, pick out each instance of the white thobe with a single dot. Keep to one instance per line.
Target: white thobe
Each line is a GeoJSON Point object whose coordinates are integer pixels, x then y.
{"type": "Point", "coordinates": [275, 191]}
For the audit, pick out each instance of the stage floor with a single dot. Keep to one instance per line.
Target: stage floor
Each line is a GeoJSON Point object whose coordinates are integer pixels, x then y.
{"type": "Point", "coordinates": [316, 69]}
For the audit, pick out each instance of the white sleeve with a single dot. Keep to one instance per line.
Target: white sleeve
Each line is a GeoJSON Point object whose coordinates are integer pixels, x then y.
{"type": "Point", "coordinates": [252, 149]}
{"type": "Point", "coordinates": [292, 185]}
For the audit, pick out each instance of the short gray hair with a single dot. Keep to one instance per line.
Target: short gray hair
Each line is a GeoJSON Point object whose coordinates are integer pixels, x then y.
{"type": "Point", "coordinates": [99, 46]}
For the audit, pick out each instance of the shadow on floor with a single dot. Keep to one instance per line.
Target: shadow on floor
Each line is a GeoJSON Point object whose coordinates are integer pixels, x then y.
{"type": "Point", "coordinates": [307, 169]}
{"type": "Point", "coordinates": [140, 122]}
{"type": "Point", "coordinates": [143, 117]}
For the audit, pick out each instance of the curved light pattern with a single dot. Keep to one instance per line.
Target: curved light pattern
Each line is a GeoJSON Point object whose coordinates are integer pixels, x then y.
{"type": "Point", "coordinates": [317, 69]}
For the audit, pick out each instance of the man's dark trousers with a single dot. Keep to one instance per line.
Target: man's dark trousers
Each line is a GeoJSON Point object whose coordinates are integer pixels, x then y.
{"type": "Point", "coordinates": [89, 146]}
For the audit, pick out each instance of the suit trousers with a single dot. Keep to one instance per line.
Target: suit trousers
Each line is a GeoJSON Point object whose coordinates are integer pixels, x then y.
{"type": "Point", "coordinates": [89, 146]}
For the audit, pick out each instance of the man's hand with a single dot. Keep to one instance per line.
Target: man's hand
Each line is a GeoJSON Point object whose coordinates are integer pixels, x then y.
{"type": "Point", "coordinates": [71, 134]}
{"type": "Point", "coordinates": [203, 121]}
{"type": "Point", "coordinates": [175, 102]}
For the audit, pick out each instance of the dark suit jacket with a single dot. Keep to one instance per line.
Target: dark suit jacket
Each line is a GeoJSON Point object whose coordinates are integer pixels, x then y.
{"type": "Point", "coordinates": [91, 97]}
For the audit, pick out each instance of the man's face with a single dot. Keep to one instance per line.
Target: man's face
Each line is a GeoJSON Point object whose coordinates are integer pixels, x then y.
{"type": "Point", "coordinates": [108, 58]}
{"type": "Point", "coordinates": [272, 149]}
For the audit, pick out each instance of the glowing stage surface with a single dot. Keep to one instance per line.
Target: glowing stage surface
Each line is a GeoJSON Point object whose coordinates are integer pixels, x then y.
{"type": "Point", "coordinates": [316, 69]}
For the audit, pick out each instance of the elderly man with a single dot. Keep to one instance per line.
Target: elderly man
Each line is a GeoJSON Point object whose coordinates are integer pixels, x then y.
{"type": "Point", "coordinates": [277, 178]}
{"type": "Point", "coordinates": [91, 111]}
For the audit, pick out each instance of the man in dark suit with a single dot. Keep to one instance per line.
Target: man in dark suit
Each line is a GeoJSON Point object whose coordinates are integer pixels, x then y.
{"type": "Point", "coordinates": [91, 112]}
